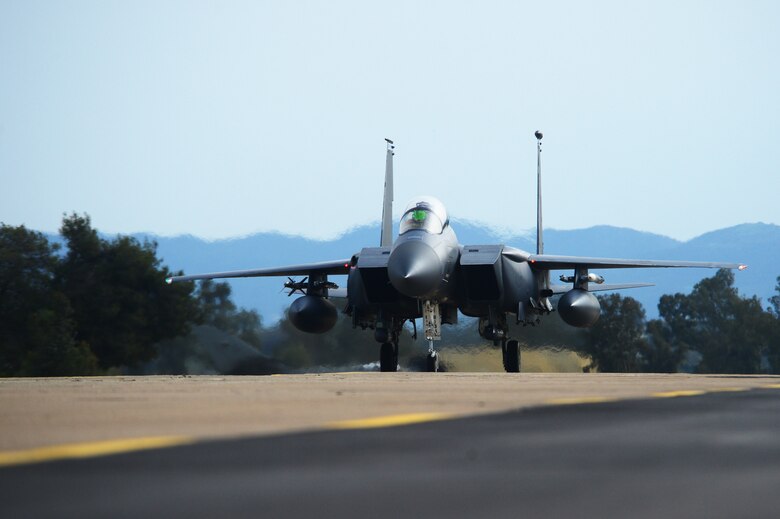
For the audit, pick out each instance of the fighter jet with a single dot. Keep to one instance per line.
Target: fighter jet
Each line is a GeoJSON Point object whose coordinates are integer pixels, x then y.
{"type": "Point", "coordinates": [426, 273]}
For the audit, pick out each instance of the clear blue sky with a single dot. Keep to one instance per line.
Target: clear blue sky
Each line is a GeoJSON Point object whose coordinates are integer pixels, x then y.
{"type": "Point", "coordinates": [220, 119]}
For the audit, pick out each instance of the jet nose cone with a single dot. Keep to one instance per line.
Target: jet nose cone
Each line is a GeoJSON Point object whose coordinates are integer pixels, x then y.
{"type": "Point", "coordinates": [414, 269]}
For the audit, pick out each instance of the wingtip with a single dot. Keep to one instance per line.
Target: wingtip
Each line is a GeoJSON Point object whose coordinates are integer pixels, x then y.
{"type": "Point", "coordinates": [168, 280]}
{"type": "Point", "coordinates": [742, 267]}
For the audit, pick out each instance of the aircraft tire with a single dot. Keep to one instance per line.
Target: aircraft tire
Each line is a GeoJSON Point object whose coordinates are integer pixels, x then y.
{"type": "Point", "coordinates": [512, 356]}
{"type": "Point", "coordinates": [432, 362]}
{"type": "Point", "coordinates": [388, 357]}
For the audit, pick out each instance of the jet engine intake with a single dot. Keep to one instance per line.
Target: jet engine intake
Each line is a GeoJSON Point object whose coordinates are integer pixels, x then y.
{"type": "Point", "coordinates": [579, 308]}
{"type": "Point", "coordinates": [313, 314]}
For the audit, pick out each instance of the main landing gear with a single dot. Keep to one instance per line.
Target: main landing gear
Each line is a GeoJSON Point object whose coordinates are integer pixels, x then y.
{"type": "Point", "coordinates": [388, 356]}
{"type": "Point", "coordinates": [388, 333]}
{"type": "Point", "coordinates": [510, 350]}
{"type": "Point", "coordinates": [494, 328]}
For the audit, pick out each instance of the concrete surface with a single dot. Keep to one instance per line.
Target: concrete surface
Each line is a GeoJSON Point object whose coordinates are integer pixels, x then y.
{"type": "Point", "coordinates": [40, 412]}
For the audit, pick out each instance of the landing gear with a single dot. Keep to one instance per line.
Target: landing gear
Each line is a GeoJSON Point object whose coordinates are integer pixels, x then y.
{"type": "Point", "coordinates": [432, 359]}
{"type": "Point", "coordinates": [493, 327]}
{"type": "Point", "coordinates": [387, 332]}
{"type": "Point", "coordinates": [432, 325]}
{"type": "Point", "coordinates": [511, 352]}
{"type": "Point", "coordinates": [388, 357]}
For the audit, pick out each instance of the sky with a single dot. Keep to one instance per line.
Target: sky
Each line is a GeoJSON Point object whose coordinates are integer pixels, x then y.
{"type": "Point", "coordinates": [220, 119]}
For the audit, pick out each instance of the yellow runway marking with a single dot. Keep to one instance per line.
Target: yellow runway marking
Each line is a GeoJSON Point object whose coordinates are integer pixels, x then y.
{"type": "Point", "coordinates": [89, 449]}
{"type": "Point", "coordinates": [675, 394]}
{"type": "Point", "coordinates": [771, 386]}
{"type": "Point", "coordinates": [728, 389]}
{"type": "Point", "coordinates": [328, 373]}
{"type": "Point", "coordinates": [390, 421]}
{"type": "Point", "coordinates": [582, 400]}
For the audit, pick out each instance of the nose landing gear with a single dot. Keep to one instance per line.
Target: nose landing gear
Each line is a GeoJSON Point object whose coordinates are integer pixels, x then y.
{"type": "Point", "coordinates": [432, 359]}
{"type": "Point", "coordinates": [432, 326]}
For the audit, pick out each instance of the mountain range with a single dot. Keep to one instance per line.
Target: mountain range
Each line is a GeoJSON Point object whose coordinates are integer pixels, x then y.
{"type": "Point", "coordinates": [755, 244]}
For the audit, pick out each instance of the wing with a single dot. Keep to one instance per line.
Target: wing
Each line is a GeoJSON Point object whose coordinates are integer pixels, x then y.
{"type": "Point", "coordinates": [336, 267]}
{"type": "Point", "coordinates": [550, 262]}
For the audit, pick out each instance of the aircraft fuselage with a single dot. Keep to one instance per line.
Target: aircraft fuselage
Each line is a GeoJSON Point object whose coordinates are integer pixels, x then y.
{"type": "Point", "coordinates": [422, 265]}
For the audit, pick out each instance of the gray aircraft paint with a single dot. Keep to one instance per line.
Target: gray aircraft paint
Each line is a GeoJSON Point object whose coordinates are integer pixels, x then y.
{"type": "Point", "coordinates": [388, 285]}
{"type": "Point", "coordinates": [386, 238]}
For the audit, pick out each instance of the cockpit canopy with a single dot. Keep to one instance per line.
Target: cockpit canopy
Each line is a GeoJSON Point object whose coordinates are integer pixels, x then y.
{"type": "Point", "coordinates": [425, 213]}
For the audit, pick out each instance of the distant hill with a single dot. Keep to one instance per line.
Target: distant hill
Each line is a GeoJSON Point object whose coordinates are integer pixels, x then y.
{"type": "Point", "coordinates": [756, 244]}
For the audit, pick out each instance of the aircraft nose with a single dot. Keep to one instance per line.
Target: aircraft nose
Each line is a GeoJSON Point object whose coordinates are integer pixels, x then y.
{"type": "Point", "coordinates": [414, 269]}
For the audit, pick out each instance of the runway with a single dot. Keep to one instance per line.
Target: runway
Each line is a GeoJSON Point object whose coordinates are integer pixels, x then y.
{"type": "Point", "coordinates": [712, 455]}
{"type": "Point", "coordinates": [51, 412]}
{"type": "Point", "coordinates": [460, 445]}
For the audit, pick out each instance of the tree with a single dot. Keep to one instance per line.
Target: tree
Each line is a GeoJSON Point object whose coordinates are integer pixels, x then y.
{"type": "Point", "coordinates": [53, 350]}
{"type": "Point", "coordinates": [773, 351]}
{"type": "Point", "coordinates": [775, 300]}
{"type": "Point", "coordinates": [217, 309]}
{"type": "Point", "coordinates": [662, 354]}
{"type": "Point", "coordinates": [38, 332]}
{"type": "Point", "coordinates": [730, 332]}
{"type": "Point", "coordinates": [121, 305]}
{"type": "Point", "coordinates": [616, 342]}
{"type": "Point", "coordinates": [248, 327]}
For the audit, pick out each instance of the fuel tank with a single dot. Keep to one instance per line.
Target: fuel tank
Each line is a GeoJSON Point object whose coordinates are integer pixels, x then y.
{"type": "Point", "coordinates": [313, 314]}
{"type": "Point", "coordinates": [579, 308]}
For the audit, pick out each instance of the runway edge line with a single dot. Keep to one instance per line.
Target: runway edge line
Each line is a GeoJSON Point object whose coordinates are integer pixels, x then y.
{"type": "Point", "coordinates": [390, 420]}
{"type": "Point", "coordinates": [90, 449]}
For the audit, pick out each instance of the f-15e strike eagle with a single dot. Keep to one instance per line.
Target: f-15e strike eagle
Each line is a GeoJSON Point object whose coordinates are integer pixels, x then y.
{"type": "Point", "coordinates": [426, 273]}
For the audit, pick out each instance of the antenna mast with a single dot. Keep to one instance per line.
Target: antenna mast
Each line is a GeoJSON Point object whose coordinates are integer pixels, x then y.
{"type": "Point", "coordinates": [539, 241]}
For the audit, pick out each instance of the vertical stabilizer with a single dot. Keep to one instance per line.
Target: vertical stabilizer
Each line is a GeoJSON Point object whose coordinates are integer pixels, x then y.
{"type": "Point", "coordinates": [539, 240]}
{"type": "Point", "coordinates": [386, 239]}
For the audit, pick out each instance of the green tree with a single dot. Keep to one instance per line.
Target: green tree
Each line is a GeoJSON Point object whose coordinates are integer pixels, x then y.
{"type": "Point", "coordinates": [38, 333]}
{"type": "Point", "coordinates": [53, 350]}
{"type": "Point", "coordinates": [248, 327]}
{"type": "Point", "coordinates": [730, 332]}
{"type": "Point", "coordinates": [775, 300]}
{"type": "Point", "coordinates": [121, 305]}
{"type": "Point", "coordinates": [217, 309]}
{"type": "Point", "coordinates": [662, 354]}
{"type": "Point", "coordinates": [616, 342]}
{"type": "Point", "coordinates": [773, 351]}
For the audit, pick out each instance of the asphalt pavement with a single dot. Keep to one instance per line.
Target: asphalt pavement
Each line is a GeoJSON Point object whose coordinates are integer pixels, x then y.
{"type": "Point", "coordinates": [713, 455]}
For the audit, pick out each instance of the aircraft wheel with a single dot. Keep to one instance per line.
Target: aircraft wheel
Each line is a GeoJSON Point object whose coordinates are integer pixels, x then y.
{"type": "Point", "coordinates": [432, 362]}
{"type": "Point", "coordinates": [512, 356]}
{"type": "Point", "coordinates": [388, 357]}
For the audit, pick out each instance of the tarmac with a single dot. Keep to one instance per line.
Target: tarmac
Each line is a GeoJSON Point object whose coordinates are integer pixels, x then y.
{"type": "Point", "coordinates": [454, 445]}
{"type": "Point", "coordinates": [53, 411]}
